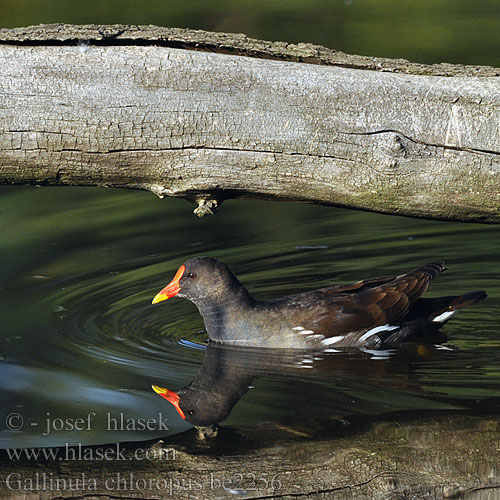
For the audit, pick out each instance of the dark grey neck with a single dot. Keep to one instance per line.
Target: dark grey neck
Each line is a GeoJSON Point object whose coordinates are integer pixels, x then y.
{"type": "Point", "coordinates": [224, 314]}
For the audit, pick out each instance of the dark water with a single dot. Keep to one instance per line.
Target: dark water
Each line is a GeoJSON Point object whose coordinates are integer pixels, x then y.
{"type": "Point", "coordinates": [79, 334]}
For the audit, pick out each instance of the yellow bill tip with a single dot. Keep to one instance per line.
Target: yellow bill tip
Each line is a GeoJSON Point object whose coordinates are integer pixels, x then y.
{"type": "Point", "coordinates": [159, 298]}
{"type": "Point", "coordinates": [159, 390]}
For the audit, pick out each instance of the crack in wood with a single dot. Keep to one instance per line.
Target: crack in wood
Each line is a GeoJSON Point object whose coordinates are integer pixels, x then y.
{"type": "Point", "coordinates": [423, 143]}
{"type": "Point", "coordinates": [225, 43]}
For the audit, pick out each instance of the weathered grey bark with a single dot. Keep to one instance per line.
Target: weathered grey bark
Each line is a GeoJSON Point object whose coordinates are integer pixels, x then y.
{"type": "Point", "coordinates": [441, 457]}
{"type": "Point", "coordinates": [187, 113]}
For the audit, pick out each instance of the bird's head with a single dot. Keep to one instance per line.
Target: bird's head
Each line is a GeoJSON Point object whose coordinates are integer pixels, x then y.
{"type": "Point", "coordinates": [197, 279]}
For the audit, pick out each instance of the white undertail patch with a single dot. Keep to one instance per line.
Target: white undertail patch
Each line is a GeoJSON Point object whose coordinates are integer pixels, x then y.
{"type": "Point", "coordinates": [443, 347]}
{"type": "Point", "coordinates": [444, 316]}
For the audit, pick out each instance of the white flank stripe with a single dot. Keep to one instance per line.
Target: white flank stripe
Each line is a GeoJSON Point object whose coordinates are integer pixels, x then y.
{"type": "Point", "coordinates": [298, 328]}
{"type": "Point", "coordinates": [332, 340]}
{"type": "Point", "coordinates": [444, 316]}
{"type": "Point", "coordinates": [377, 329]}
{"type": "Point", "coordinates": [306, 332]}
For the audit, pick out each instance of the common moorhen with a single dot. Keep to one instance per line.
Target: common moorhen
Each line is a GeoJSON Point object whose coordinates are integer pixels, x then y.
{"type": "Point", "coordinates": [369, 313]}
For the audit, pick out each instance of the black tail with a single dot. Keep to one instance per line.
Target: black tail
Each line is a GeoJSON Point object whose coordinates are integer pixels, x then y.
{"type": "Point", "coordinates": [427, 316]}
{"type": "Point", "coordinates": [467, 299]}
{"type": "Point", "coordinates": [442, 307]}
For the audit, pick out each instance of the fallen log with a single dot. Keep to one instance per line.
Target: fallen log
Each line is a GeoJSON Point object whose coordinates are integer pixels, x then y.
{"type": "Point", "coordinates": [436, 457]}
{"type": "Point", "coordinates": [210, 116]}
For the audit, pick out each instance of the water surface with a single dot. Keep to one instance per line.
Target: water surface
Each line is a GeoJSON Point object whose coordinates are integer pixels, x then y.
{"type": "Point", "coordinates": [79, 334]}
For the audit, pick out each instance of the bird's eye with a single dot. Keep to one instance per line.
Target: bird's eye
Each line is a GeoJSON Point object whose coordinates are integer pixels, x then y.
{"type": "Point", "coordinates": [191, 412]}
{"type": "Point", "coordinates": [192, 276]}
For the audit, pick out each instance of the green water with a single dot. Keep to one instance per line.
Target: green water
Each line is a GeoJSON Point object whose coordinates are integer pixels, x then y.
{"type": "Point", "coordinates": [79, 333]}
{"type": "Point", "coordinates": [80, 266]}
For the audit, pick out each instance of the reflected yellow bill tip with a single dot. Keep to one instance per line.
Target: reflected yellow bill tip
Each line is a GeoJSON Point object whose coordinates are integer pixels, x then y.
{"type": "Point", "coordinates": [159, 298]}
{"type": "Point", "coordinates": [159, 390]}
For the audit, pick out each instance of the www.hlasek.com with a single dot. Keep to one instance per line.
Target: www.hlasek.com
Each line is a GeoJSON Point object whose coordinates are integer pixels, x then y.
{"type": "Point", "coordinates": [236, 483]}
{"type": "Point", "coordinates": [91, 453]}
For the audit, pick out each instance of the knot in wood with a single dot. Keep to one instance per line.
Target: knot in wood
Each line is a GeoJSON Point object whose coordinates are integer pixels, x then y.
{"type": "Point", "coordinates": [398, 144]}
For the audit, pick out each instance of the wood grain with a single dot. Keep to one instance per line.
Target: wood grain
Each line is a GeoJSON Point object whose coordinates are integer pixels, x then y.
{"type": "Point", "coordinates": [133, 110]}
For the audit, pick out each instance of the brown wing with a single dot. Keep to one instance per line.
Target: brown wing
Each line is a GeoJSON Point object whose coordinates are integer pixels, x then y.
{"type": "Point", "coordinates": [324, 293]}
{"type": "Point", "coordinates": [373, 303]}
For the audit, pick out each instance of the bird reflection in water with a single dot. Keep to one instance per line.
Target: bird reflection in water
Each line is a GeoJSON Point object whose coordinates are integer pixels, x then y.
{"type": "Point", "coordinates": [227, 373]}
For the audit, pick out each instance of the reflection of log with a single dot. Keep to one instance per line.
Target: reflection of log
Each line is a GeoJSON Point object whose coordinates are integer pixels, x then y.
{"type": "Point", "coordinates": [181, 113]}
{"type": "Point", "coordinates": [422, 459]}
